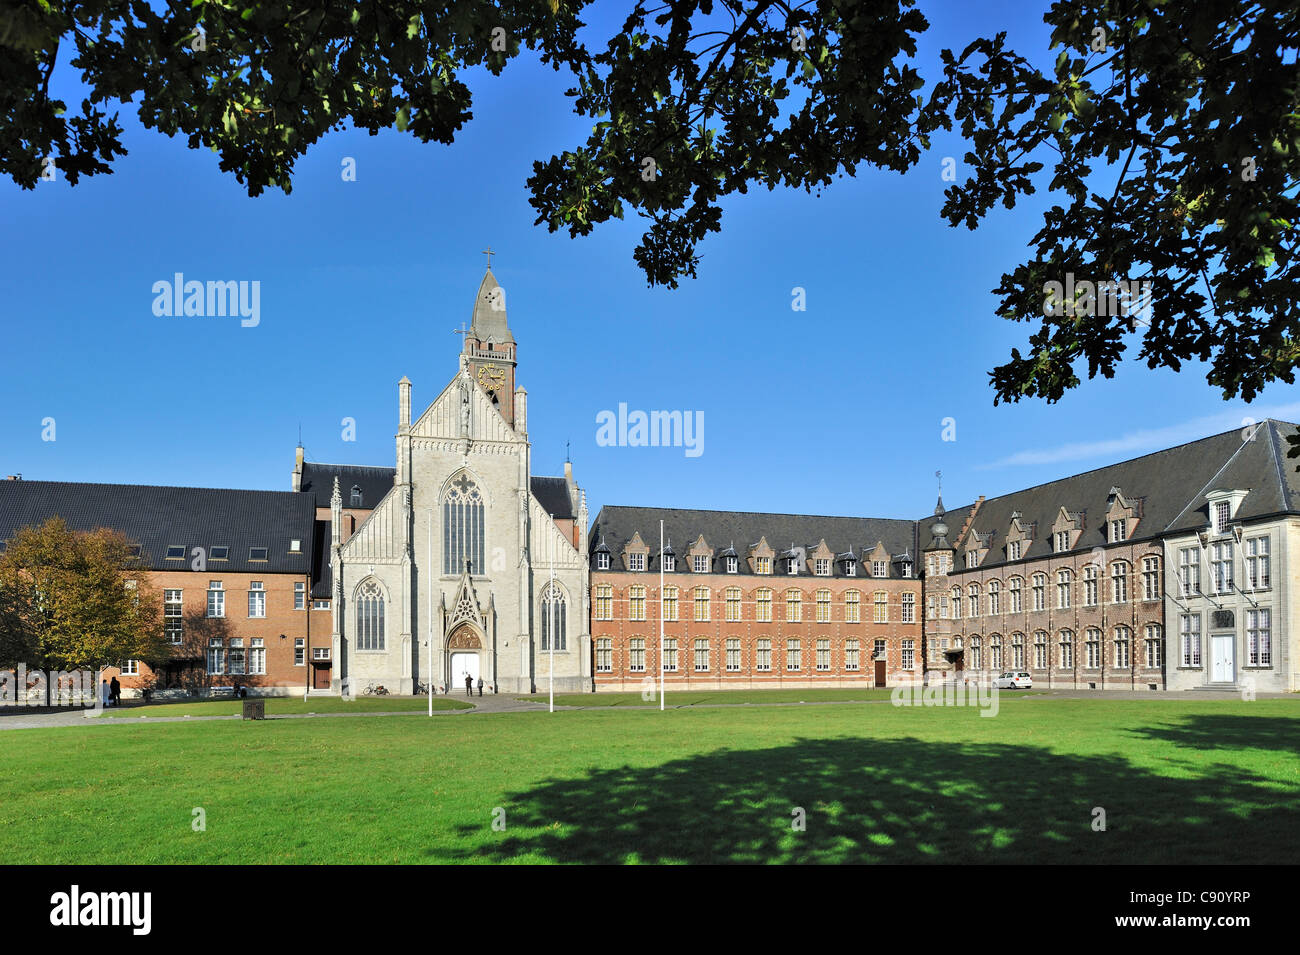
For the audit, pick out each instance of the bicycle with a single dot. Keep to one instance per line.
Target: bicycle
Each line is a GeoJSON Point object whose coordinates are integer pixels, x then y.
{"type": "Point", "coordinates": [372, 690]}
{"type": "Point", "coordinates": [420, 689]}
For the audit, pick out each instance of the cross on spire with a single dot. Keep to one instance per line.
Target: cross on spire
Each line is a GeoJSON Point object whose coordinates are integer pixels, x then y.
{"type": "Point", "coordinates": [489, 253]}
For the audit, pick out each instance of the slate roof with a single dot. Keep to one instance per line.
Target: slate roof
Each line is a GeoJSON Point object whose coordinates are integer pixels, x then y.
{"type": "Point", "coordinates": [617, 525]}
{"type": "Point", "coordinates": [553, 494]}
{"type": "Point", "coordinates": [1171, 483]}
{"type": "Point", "coordinates": [488, 322]}
{"type": "Point", "coordinates": [318, 480]}
{"type": "Point", "coordinates": [161, 517]}
{"type": "Point", "coordinates": [322, 577]}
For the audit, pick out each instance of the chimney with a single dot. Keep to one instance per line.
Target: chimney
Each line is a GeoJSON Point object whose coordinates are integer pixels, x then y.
{"type": "Point", "coordinates": [297, 468]}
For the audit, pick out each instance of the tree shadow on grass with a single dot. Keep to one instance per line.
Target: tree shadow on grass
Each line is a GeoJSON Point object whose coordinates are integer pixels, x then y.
{"type": "Point", "coordinates": [1212, 731]}
{"type": "Point", "coordinates": [895, 801]}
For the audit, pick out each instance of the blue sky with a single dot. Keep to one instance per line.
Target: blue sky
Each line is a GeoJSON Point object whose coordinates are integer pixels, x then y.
{"type": "Point", "coordinates": [838, 409]}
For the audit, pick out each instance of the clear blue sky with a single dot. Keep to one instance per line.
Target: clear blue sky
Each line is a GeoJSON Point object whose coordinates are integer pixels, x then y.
{"type": "Point", "coordinates": [835, 410]}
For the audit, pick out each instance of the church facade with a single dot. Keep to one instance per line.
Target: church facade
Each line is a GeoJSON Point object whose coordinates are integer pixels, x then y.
{"type": "Point", "coordinates": [468, 566]}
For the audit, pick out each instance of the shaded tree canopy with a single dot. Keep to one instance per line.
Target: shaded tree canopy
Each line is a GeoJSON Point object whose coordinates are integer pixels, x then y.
{"type": "Point", "coordinates": [76, 599]}
{"type": "Point", "coordinates": [1168, 132]}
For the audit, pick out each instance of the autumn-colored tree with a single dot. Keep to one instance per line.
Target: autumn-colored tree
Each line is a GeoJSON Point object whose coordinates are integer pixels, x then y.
{"type": "Point", "coordinates": [76, 599]}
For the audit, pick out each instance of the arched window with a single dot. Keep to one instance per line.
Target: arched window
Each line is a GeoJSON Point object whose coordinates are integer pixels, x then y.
{"type": "Point", "coordinates": [370, 616]}
{"type": "Point", "coordinates": [354, 499]}
{"type": "Point", "coordinates": [462, 528]}
{"type": "Point", "coordinates": [1018, 651]}
{"type": "Point", "coordinates": [995, 596]}
{"type": "Point", "coordinates": [973, 592]}
{"type": "Point", "coordinates": [1040, 649]}
{"type": "Point", "coordinates": [956, 603]}
{"type": "Point", "coordinates": [1013, 591]}
{"type": "Point", "coordinates": [553, 619]}
{"type": "Point", "coordinates": [1066, 639]}
{"type": "Point", "coordinates": [976, 660]}
{"type": "Point", "coordinates": [995, 651]}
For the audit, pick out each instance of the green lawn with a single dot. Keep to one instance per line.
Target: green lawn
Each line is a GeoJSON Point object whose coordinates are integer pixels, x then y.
{"type": "Point", "coordinates": [1180, 782]}
{"type": "Point", "coordinates": [695, 697]}
{"type": "Point", "coordinates": [280, 705]}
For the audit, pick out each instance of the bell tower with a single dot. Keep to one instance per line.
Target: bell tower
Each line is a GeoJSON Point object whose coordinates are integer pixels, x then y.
{"type": "Point", "coordinates": [490, 349]}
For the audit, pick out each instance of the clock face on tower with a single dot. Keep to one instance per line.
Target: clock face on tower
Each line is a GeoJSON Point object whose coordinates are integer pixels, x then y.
{"type": "Point", "coordinates": [492, 377]}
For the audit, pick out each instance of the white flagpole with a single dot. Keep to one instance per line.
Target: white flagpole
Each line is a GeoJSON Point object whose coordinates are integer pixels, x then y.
{"type": "Point", "coordinates": [423, 581]}
{"type": "Point", "coordinates": [552, 616]}
{"type": "Point", "coordinates": [661, 616]}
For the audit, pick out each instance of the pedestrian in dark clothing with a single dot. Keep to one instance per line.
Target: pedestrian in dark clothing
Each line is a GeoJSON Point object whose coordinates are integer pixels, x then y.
{"type": "Point", "coordinates": [115, 692]}
{"type": "Point", "coordinates": [469, 685]}
{"type": "Point", "coordinates": [480, 686]}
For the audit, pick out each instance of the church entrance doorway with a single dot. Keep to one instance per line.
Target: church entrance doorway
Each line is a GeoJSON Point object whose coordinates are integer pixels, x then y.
{"type": "Point", "coordinates": [462, 664]}
{"type": "Point", "coordinates": [463, 656]}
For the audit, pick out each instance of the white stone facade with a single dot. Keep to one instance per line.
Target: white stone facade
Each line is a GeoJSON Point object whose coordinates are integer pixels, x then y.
{"type": "Point", "coordinates": [440, 622]}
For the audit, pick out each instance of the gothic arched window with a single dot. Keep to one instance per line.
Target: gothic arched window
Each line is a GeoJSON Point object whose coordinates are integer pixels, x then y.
{"type": "Point", "coordinates": [354, 498]}
{"type": "Point", "coordinates": [370, 617]}
{"type": "Point", "coordinates": [462, 528]}
{"type": "Point", "coordinates": [553, 607]}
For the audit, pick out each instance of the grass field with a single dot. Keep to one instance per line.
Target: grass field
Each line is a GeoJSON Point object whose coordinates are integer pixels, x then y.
{"type": "Point", "coordinates": [695, 698]}
{"type": "Point", "coordinates": [283, 705]}
{"type": "Point", "coordinates": [1180, 782]}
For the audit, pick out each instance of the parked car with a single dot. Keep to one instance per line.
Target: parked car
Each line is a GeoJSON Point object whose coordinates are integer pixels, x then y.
{"type": "Point", "coordinates": [1014, 680]}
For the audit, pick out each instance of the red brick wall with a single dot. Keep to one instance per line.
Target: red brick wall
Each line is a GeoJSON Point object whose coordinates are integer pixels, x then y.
{"type": "Point", "coordinates": [280, 618]}
{"type": "Point", "coordinates": [621, 629]}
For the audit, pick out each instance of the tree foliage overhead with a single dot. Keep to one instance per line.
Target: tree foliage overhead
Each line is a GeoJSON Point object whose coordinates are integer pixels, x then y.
{"type": "Point", "coordinates": [76, 599]}
{"type": "Point", "coordinates": [1166, 133]}
{"type": "Point", "coordinates": [1177, 153]}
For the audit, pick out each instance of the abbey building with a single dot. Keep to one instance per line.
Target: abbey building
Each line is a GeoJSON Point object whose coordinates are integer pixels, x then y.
{"type": "Point", "coordinates": [1175, 570]}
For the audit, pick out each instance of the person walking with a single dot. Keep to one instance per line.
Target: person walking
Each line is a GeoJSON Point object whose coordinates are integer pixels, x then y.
{"type": "Point", "coordinates": [469, 685]}
{"type": "Point", "coordinates": [115, 691]}
{"type": "Point", "coordinates": [480, 686]}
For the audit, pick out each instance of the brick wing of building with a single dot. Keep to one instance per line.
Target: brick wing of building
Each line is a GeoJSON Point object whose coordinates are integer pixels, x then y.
{"type": "Point", "coordinates": [234, 569]}
{"type": "Point", "coordinates": [1170, 570]}
{"type": "Point", "coordinates": [753, 600]}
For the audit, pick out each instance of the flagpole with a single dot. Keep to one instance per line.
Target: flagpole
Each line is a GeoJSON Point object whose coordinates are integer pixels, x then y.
{"type": "Point", "coordinates": [551, 611]}
{"type": "Point", "coordinates": [423, 581]}
{"type": "Point", "coordinates": [661, 616]}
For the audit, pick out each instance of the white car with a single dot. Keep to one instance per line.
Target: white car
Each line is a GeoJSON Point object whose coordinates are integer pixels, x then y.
{"type": "Point", "coordinates": [1014, 680]}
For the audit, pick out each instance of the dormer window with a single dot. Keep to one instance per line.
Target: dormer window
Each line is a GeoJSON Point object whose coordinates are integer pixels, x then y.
{"type": "Point", "coordinates": [602, 561]}
{"type": "Point", "coordinates": [1222, 514]}
{"type": "Point", "coordinates": [257, 553]}
{"type": "Point", "coordinates": [219, 552]}
{"type": "Point", "coordinates": [354, 499]}
{"type": "Point", "coordinates": [792, 565]}
{"type": "Point", "coordinates": [733, 565]}
{"type": "Point", "coordinates": [906, 568]}
{"type": "Point", "coordinates": [762, 565]}
{"type": "Point", "coordinates": [175, 551]}
{"type": "Point", "coordinates": [822, 567]}
{"type": "Point", "coordinates": [670, 563]}
{"type": "Point", "coordinates": [636, 562]}
{"type": "Point", "coordinates": [972, 558]}
{"type": "Point", "coordinates": [880, 568]}
{"type": "Point", "coordinates": [700, 563]}
{"type": "Point", "coordinates": [1118, 530]}
{"type": "Point", "coordinates": [1062, 541]}
{"type": "Point", "coordinates": [850, 568]}
{"type": "Point", "coordinates": [1013, 550]}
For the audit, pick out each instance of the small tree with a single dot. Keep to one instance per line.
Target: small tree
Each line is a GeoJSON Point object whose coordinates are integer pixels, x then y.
{"type": "Point", "coordinates": [74, 599]}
